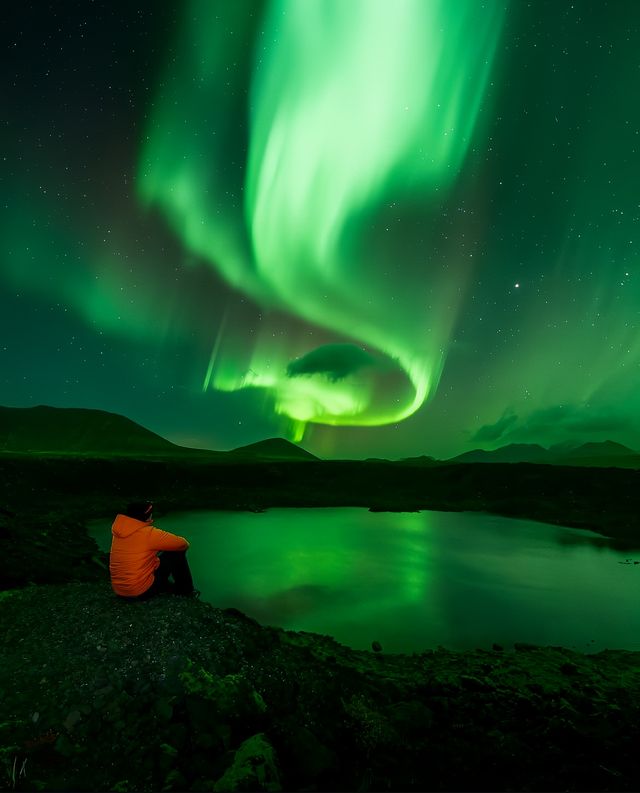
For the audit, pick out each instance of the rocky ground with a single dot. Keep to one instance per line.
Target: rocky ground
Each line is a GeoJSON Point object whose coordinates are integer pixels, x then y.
{"type": "Point", "coordinates": [174, 694]}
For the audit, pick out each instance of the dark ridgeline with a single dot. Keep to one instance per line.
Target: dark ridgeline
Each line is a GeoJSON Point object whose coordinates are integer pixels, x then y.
{"type": "Point", "coordinates": [76, 430]}
{"type": "Point", "coordinates": [272, 449]}
{"type": "Point", "coordinates": [81, 463]}
{"type": "Point", "coordinates": [601, 455]}
{"type": "Point", "coordinates": [82, 431]}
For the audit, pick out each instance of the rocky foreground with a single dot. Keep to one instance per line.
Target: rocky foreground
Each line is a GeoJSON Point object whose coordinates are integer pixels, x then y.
{"type": "Point", "coordinates": [175, 694]}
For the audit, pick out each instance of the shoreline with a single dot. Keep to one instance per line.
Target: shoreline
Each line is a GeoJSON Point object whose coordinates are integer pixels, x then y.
{"type": "Point", "coordinates": [606, 500]}
{"type": "Point", "coordinates": [180, 695]}
{"type": "Point", "coordinates": [45, 502]}
{"type": "Point", "coordinates": [195, 525]}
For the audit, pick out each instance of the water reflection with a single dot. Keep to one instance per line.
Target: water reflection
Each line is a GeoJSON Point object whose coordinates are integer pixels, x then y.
{"type": "Point", "coordinates": [414, 580]}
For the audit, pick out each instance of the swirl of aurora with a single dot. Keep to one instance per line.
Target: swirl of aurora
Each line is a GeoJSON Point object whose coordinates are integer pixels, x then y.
{"type": "Point", "coordinates": [353, 113]}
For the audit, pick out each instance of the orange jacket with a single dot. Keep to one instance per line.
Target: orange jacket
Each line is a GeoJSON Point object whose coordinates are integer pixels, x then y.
{"type": "Point", "coordinates": [134, 546]}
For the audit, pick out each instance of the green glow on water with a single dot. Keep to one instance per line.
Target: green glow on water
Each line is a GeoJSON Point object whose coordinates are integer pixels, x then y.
{"type": "Point", "coordinates": [412, 580]}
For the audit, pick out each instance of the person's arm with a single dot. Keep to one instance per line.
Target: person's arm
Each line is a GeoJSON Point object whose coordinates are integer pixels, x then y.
{"type": "Point", "coordinates": [165, 541]}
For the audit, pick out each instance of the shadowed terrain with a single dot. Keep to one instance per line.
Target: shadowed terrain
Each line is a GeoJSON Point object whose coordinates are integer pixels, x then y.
{"type": "Point", "coordinates": [181, 695]}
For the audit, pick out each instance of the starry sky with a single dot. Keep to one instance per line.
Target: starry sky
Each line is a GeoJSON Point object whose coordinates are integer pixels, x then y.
{"type": "Point", "coordinates": [378, 227]}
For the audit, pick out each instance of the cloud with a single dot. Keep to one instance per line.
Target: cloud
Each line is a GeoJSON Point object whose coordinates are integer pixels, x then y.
{"type": "Point", "coordinates": [575, 420]}
{"type": "Point", "coordinates": [336, 361]}
{"type": "Point", "coordinates": [493, 432]}
{"type": "Point", "coordinates": [569, 421]}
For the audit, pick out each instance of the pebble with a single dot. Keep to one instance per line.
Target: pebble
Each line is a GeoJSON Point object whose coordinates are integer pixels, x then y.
{"type": "Point", "coordinates": [72, 719]}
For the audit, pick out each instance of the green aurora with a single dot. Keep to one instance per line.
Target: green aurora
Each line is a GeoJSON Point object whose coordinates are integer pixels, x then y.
{"type": "Point", "coordinates": [353, 107]}
{"type": "Point", "coordinates": [383, 228]}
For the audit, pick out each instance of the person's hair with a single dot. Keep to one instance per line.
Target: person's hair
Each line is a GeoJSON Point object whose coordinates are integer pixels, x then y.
{"type": "Point", "coordinates": [140, 510]}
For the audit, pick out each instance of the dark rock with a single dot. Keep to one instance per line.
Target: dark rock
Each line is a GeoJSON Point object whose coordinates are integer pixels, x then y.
{"type": "Point", "coordinates": [439, 721]}
{"type": "Point", "coordinates": [72, 719]}
{"type": "Point", "coordinates": [308, 757]}
{"type": "Point", "coordinates": [411, 718]}
{"type": "Point", "coordinates": [471, 683]}
{"type": "Point", "coordinates": [175, 781]}
{"type": "Point", "coordinates": [164, 709]}
{"type": "Point", "coordinates": [497, 647]}
{"type": "Point", "coordinates": [524, 647]}
{"type": "Point", "coordinates": [240, 615]}
{"type": "Point", "coordinates": [254, 768]}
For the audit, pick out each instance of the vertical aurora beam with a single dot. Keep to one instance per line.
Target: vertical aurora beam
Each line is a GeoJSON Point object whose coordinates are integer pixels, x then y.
{"type": "Point", "coordinates": [357, 101]}
{"type": "Point", "coordinates": [354, 106]}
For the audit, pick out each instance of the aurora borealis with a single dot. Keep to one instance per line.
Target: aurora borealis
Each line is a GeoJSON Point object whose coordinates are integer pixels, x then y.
{"type": "Point", "coordinates": [380, 228]}
{"type": "Point", "coordinates": [325, 154]}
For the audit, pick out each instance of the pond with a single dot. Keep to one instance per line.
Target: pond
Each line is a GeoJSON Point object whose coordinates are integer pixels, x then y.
{"type": "Point", "coordinates": [413, 581]}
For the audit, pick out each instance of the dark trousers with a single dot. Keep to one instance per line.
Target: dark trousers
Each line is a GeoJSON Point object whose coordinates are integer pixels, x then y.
{"type": "Point", "coordinates": [172, 564]}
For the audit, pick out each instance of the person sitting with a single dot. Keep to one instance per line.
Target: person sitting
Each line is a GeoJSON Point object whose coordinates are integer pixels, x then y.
{"type": "Point", "coordinates": [143, 557]}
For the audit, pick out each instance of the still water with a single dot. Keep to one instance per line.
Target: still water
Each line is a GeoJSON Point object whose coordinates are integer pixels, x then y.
{"type": "Point", "coordinates": [413, 581]}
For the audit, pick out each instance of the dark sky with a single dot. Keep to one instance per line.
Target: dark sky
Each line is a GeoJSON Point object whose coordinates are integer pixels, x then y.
{"type": "Point", "coordinates": [382, 228]}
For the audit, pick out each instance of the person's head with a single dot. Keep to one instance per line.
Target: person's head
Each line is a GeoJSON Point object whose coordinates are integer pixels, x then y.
{"type": "Point", "coordinates": [140, 510]}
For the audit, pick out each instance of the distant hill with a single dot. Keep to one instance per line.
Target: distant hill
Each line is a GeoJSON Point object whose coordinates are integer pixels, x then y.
{"type": "Point", "coordinates": [82, 431]}
{"type": "Point", "coordinates": [600, 454]}
{"type": "Point", "coordinates": [422, 460]}
{"type": "Point", "coordinates": [513, 453]}
{"type": "Point", "coordinates": [273, 449]}
{"type": "Point", "coordinates": [603, 449]}
{"type": "Point", "coordinates": [79, 431]}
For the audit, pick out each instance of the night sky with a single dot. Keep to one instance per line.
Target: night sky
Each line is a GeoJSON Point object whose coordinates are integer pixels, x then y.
{"type": "Point", "coordinates": [377, 227]}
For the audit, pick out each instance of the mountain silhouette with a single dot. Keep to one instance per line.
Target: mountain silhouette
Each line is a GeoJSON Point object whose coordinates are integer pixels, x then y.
{"type": "Point", "coordinates": [423, 459]}
{"type": "Point", "coordinates": [45, 429]}
{"type": "Point", "coordinates": [83, 431]}
{"type": "Point", "coordinates": [513, 453]}
{"type": "Point", "coordinates": [273, 449]}
{"type": "Point", "coordinates": [602, 454]}
{"type": "Point", "coordinates": [601, 449]}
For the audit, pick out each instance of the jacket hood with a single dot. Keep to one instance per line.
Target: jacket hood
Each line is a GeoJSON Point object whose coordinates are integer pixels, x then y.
{"type": "Point", "coordinates": [124, 526]}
